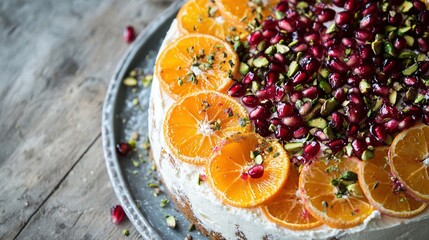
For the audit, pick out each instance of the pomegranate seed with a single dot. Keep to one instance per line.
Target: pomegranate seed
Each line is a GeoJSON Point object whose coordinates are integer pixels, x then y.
{"type": "Point", "coordinates": [257, 171]}
{"type": "Point", "coordinates": [363, 71]}
{"type": "Point", "coordinates": [310, 92]}
{"type": "Point", "coordinates": [406, 123]}
{"type": "Point", "coordinates": [292, 121]}
{"type": "Point", "coordinates": [316, 51]}
{"type": "Point", "coordinates": [423, 44]}
{"type": "Point", "coordinates": [259, 113]}
{"type": "Point", "coordinates": [348, 42]}
{"type": "Point", "coordinates": [237, 90]}
{"type": "Point", "coordinates": [276, 38]}
{"type": "Point", "coordinates": [398, 187]}
{"type": "Point", "coordinates": [368, 21]}
{"type": "Point", "coordinates": [343, 18]}
{"type": "Point", "coordinates": [358, 146]}
{"type": "Point", "coordinates": [300, 78]}
{"type": "Point", "coordinates": [269, 33]}
{"type": "Point", "coordinates": [269, 23]}
{"type": "Point", "coordinates": [275, 121]}
{"type": "Point", "coordinates": [271, 77]}
{"type": "Point", "coordinates": [311, 149]}
{"type": "Point", "coordinates": [394, 19]}
{"type": "Point", "coordinates": [424, 17]}
{"type": "Point", "coordinates": [371, 8]}
{"type": "Point", "coordinates": [286, 25]}
{"type": "Point", "coordinates": [129, 34]}
{"type": "Point", "coordinates": [400, 43]}
{"type": "Point", "coordinates": [380, 90]}
{"type": "Point", "coordinates": [244, 176]}
{"type": "Point", "coordinates": [123, 148]}
{"type": "Point", "coordinates": [262, 127]}
{"type": "Point", "coordinates": [282, 132]}
{"type": "Point", "coordinates": [294, 97]}
{"type": "Point", "coordinates": [312, 37]}
{"type": "Point", "coordinates": [282, 7]}
{"type": "Point", "coordinates": [250, 101]}
{"type": "Point", "coordinates": [378, 132]}
{"type": "Point", "coordinates": [326, 15]}
{"type": "Point", "coordinates": [335, 80]}
{"type": "Point", "coordinates": [354, 112]}
{"type": "Point", "coordinates": [336, 144]}
{"type": "Point", "coordinates": [309, 64]}
{"type": "Point", "coordinates": [284, 109]}
{"type": "Point", "coordinates": [390, 66]}
{"type": "Point", "coordinates": [388, 111]}
{"type": "Point", "coordinates": [300, 132]}
{"type": "Point", "coordinates": [266, 93]}
{"type": "Point", "coordinates": [419, 5]}
{"type": "Point", "coordinates": [280, 93]}
{"type": "Point", "coordinates": [391, 126]}
{"type": "Point", "coordinates": [424, 68]}
{"type": "Point", "coordinates": [337, 65]}
{"type": "Point", "coordinates": [351, 5]}
{"type": "Point", "coordinates": [352, 130]}
{"type": "Point", "coordinates": [363, 35]}
{"type": "Point", "coordinates": [280, 58]}
{"type": "Point", "coordinates": [340, 95]}
{"type": "Point", "coordinates": [321, 136]}
{"type": "Point", "coordinates": [117, 214]}
{"type": "Point", "coordinates": [301, 47]}
{"type": "Point", "coordinates": [249, 78]}
{"type": "Point", "coordinates": [410, 80]}
{"type": "Point", "coordinates": [366, 52]}
{"type": "Point", "coordinates": [337, 120]}
{"type": "Point", "coordinates": [338, 3]}
{"type": "Point", "coordinates": [255, 38]}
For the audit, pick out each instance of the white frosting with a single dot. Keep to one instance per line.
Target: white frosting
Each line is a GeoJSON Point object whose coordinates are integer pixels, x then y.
{"type": "Point", "coordinates": [182, 178]}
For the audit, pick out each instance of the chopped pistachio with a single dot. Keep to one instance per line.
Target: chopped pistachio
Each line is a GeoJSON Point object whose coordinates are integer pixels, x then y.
{"type": "Point", "coordinates": [328, 106]}
{"type": "Point", "coordinates": [164, 202]}
{"type": "Point", "coordinates": [419, 98]}
{"type": "Point", "coordinates": [324, 72]}
{"type": "Point", "coordinates": [279, 15]}
{"type": "Point", "coordinates": [392, 97]}
{"type": "Point", "coordinates": [259, 159]}
{"type": "Point", "coordinates": [326, 87]}
{"type": "Point", "coordinates": [136, 102]}
{"type": "Point", "coordinates": [364, 86]}
{"type": "Point", "coordinates": [135, 163]}
{"type": "Point", "coordinates": [355, 190]}
{"type": "Point", "coordinates": [126, 232]}
{"type": "Point", "coordinates": [171, 221]}
{"type": "Point", "coordinates": [329, 132]}
{"type": "Point", "coordinates": [388, 48]}
{"type": "Point", "coordinates": [377, 46]}
{"type": "Point", "coordinates": [153, 185]}
{"type": "Point", "coordinates": [409, 40]}
{"type": "Point", "coordinates": [389, 28]}
{"type": "Point", "coordinates": [403, 30]}
{"type": "Point", "coordinates": [349, 176]}
{"type": "Point", "coordinates": [389, 139]}
{"type": "Point", "coordinates": [260, 62]}
{"type": "Point", "coordinates": [406, 53]}
{"type": "Point", "coordinates": [421, 57]}
{"type": "Point", "coordinates": [367, 155]}
{"type": "Point", "coordinates": [147, 80]}
{"type": "Point", "coordinates": [282, 48]}
{"type": "Point", "coordinates": [270, 50]}
{"type": "Point", "coordinates": [293, 68]}
{"type": "Point", "coordinates": [349, 149]}
{"type": "Point", "coordinates": [318, 122]}
{"type": "Point", "coordinates": [410, 70]}
{"type": "Point", "coordinates": [405, 6]}
{"type": "Point", "coordinates": [331, 28]}
{"type": "Point", "coordinates": [293, 146]}
{"type": "Point", "coordinates": [255, 86]}
{"type": "Point", "coordinates": [130, 82]}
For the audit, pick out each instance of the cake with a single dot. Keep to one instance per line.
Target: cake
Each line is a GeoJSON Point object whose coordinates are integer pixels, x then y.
{"type": "Point", "coordinates": [190, 174]}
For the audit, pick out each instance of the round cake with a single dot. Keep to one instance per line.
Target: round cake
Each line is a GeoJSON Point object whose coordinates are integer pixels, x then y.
{"type": "Point", "coordinates": [308, 59]}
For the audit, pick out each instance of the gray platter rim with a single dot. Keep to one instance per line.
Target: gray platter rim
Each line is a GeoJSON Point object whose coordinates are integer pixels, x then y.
{"type": "Point", "coordinates": [114, 170]}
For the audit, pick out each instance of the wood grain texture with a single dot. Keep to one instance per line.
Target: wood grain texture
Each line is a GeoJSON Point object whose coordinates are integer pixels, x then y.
{"type": "Point", "coordinates": [57, 58]}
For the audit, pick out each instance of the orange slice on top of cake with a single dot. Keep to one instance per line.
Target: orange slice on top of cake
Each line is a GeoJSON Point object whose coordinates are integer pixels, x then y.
{"type": "Point", "coordinates": [409, 160]}
{"type": "Point", "coordinates": [203, 16]}
{"type": "Point", "coordinates": [248, 170]}
{"type": "Point", "coordinates": [383, 189]}
{"type": "Point", "coordinates": [287, 209]}
{"type": "Point", "coordinates": [332, 194]}
{"type": "Point", "coordinates": [244, 11]}
{"type": "Point", "coordinates": [196, 62]}
{"type": "Point", "coordinates": [198, 122]}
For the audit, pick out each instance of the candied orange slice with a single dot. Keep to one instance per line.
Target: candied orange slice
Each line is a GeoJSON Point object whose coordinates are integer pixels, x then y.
{"type": "Point", "coordinates": [381, 189]}
{"type": "Point", "coordinates": [243, 11]}
{"type": "Point", "coordinates": [248, 170]}
{"type": "Point", "coordinates": [287, 208]}
{"type": "Point", "coordinates": [331, 192]}
{"type": "Point", "coordinates": [203, 16]}
{"type": "Point", "coordinates": [409, 160]}
{"type": "Point", "coordinates": [198, 122]}
{"type": "Point", "coordinates": [196, 62]}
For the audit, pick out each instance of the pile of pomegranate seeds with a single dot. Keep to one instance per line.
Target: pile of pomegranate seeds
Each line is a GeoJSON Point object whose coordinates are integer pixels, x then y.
{"type": "Point", "coordinates": [341, 78]}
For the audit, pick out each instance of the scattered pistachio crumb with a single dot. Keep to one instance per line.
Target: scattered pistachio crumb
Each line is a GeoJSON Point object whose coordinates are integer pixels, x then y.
{"type": "Point", "coordinates": [171, 221]}
{"type": "Point", "coordinates": [126, 232]}
{"type": "Point", "coordinates": [164, 202]}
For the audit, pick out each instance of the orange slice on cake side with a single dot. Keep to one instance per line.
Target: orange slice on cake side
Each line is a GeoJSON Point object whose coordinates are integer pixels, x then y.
{"type": "Point", "coordinates": [409, 160]}
{"type": "Point", "coordinates": [287, 208]}
{"type": "Point", "coordinates": [203, 16]}
{"type": "Point", "coordinates": [248, 170]}
{"type": "Point", "coordinates": [243, 11]}
{"type": "Point", "coordinates": [383, 191]}
{"type": "Point", "coordinates": [198, 122]}
{"type": "Point", "coordinates": [196, 62]}
{"type": "Point", "coordinates": [331, 192]}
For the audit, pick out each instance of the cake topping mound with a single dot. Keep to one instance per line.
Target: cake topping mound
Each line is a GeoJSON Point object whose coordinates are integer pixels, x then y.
{"type": "Point", "coordinates": [347, 74]}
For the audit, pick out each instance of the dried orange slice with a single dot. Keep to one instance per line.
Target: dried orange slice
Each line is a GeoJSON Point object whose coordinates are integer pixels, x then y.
{"type": "Point", "coordinates": [243, 11]}
{"type": "Point", "coordinates": [196, 62]}
{"type": "Point", "coordinates": [381, 189]}
{"type": "Point", "coordinates": [409, 160]}
{"type": "Point", "coordinates": [198, 122]}
{"type": "Point", "coordinates": [331, 192]}
{"type": "Point", "coordinates": [248, 170]}
{"type": "Point", "coordinates": [287, 208]}
{"type": "Point", "coordinates": [203, 16]}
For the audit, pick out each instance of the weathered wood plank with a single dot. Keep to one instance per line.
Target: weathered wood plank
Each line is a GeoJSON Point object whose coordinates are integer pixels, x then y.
{"type": "Point", "coordinates": [79, 209]}
{"type": "Point", "coordinates": [57, 58]}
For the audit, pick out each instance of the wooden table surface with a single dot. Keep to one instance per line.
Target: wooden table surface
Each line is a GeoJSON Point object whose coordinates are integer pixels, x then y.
{"type": "Point", "coordinates": [56, 60]}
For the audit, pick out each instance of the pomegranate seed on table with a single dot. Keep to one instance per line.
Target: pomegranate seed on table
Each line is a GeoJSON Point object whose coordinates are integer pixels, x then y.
{"type": "Point", "coordinates": [123, 148]}
{"type": "Point", "coordinates": [117, 214]}
{"type": "Point", "coordinates": [129, 34]}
